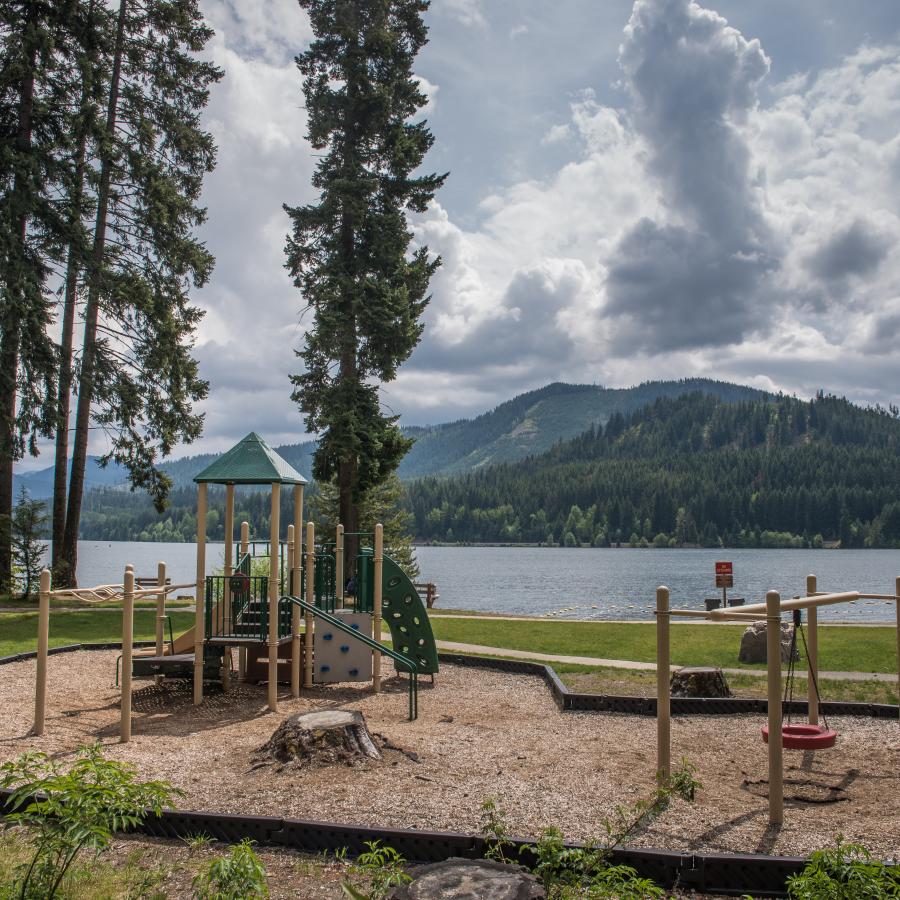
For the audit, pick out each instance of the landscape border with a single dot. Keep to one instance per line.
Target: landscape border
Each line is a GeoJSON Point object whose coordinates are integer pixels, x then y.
{"type": "Point", "coordinates": [734, 874]}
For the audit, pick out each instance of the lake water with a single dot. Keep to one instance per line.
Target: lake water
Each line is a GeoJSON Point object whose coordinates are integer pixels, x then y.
{"type": "Point", "coordinates": [574, 584]}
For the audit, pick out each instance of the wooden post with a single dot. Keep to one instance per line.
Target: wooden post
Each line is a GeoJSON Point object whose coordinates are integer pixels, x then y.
{"type": "Point", "coordinates": [663, 702]}
{"type": "Point", "coordinates": [297, 574]}
{"type": "Point", "coordinates": [242, 650]}
{"type": "Point", "coordinates": [812, 654]}
{"type": "Point", "coordinates": [339, 566]}
{"type": "Point", "coordinates": [127, 650]}
{"type": "Point", "coordinates": [376, 606]}
{"type": "Point", "coordinates": [160, 608]}
{"type": "Point", "coordinates": [40, 688]}
{"type": "Point", "coordinates": [274, 560]}
{"type": "Point", "coordinates": [200, 594]}
{"type": "Point", "coordinates": [310, 597]}
{"type": "Point", "coordinates": [773, 655]}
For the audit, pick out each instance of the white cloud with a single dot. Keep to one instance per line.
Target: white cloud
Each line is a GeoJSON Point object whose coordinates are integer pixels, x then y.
{"type": "Point", "coordinates": [469, 12]}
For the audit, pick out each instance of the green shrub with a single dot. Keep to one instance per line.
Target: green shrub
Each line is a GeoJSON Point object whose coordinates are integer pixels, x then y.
{"type": "Point", "coordinates": [65, 812]}
{"type": "Point", "coordinates": [239, 875]}
{"type": "Point", "coordinates": [845, 872]}
{"type": "Point", "coordinates": [382, 867]}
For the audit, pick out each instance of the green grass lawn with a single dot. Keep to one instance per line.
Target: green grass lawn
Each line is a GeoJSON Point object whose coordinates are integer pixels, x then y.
{"type": "Point", "coordinates": [845, 648]}
{"type": "Point", "coordinates": [18, 631]}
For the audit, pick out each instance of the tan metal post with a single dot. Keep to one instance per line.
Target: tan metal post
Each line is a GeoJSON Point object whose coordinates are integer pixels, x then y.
{"type": "Point", "coordinates": [127, 650]}
{"type": "Point", "coordinates": [812, 654]}
{"type": "Point", "coordinates": [200, 594]}
{"type": "Point", "coordinates": [339, 566]}
{"type": "Point", "coordinates": [228, 615]}
{"type": "Point", "coordinates": [242, 650]}
{"type": "Point", "coordinates": [897, 601]}
{"type": "Point", "coordinates": [297, 590]}
{"type": "Point", "coordinates": [160, 608]}
{"type": "Point", "coordinates": [40, 688]}
{"type": "Point", "coordinates": [294, 552]}
{"type": "Point", "coordinates": [773, 656]}
{"type": "Point", "coordinates": [274, 533]}
{"type": "Point", "coordinates": [310, 597]}
{"type": "Point", "coordinates": [376, 606]}
{"type": "Point", "coordinates": [663, 701]}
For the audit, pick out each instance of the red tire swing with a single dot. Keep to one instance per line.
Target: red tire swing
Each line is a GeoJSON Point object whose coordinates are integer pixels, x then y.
{"type": "Point", "coordinates": [801, 737]}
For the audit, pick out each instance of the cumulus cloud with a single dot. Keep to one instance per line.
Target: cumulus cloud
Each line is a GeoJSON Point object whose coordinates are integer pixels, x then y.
{"type": "Point", "coordinates": [696, 278]}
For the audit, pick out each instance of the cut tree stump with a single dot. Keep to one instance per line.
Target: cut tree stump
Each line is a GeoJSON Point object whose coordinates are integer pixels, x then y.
{"type": "Point", "coordinates": [467, 879]}
{"type": "Point", "coordinates": [324, 738]}
{"type": "Point", "coordinates": [697, 681]}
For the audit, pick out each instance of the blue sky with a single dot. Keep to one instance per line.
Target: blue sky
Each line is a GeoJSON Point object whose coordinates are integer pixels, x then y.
{"type": "Point", "coordinates": [639, 189]}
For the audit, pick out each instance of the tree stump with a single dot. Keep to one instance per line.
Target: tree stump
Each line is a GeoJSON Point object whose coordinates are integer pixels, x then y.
{"type": "Point", "coordinates": [696, 681]}
{"type": "Point", "coordinates": [463, 879]}
{"type": "Point", "coordinates": [325, 738]}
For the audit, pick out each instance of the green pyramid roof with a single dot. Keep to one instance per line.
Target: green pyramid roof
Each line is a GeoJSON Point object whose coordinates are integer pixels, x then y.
{"type": "Point", "coordinates": [252, 461]}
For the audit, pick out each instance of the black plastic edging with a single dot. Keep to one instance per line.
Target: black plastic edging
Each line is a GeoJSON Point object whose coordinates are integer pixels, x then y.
{"type": "Point", "coordinates": [646, 706]}
{"type": "Point", "coordinates": [735, 874]}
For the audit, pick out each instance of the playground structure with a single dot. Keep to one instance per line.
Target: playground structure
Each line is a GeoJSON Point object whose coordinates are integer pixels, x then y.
{"type": "Point", "coordinates": [775, 734]}
{"type": "Point", "coordinates": [262, 614]}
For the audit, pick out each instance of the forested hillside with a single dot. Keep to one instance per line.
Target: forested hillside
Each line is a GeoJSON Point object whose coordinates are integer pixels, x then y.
{"type": "Point", "coordinates": [689, 470]}
{"type": "Point", "coordinates": [532, 423]}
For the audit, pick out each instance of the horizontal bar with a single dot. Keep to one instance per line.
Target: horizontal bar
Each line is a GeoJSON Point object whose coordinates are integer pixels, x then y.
{"type": "Point", "coordinates": [806, 602]}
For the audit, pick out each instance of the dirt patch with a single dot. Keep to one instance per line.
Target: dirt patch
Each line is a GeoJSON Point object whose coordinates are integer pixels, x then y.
{"type": "Point", "coordinates": [479, 734]}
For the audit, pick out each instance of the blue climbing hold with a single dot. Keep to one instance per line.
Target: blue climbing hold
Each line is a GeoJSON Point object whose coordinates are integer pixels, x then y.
{"type": "Point", "coordinates": [325, 669]}
{"type": "Point", "coordinates": [327, 637]}
{"type": "Point", "coordinates": [345, 649]}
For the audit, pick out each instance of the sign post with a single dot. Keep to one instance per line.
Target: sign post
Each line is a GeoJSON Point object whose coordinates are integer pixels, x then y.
{"type": "Point", "coordinates": [724, 580]}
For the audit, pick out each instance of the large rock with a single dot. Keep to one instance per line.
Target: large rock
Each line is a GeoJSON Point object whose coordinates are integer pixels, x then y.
{"type": "Point", "coordinates": [753, 643]}
{"type": "Point", "coordinates": [321, 738]}
{"type": "Point", "coordinates": [696, 681]}
{"type": "Point", "coordinates": [470, 879]}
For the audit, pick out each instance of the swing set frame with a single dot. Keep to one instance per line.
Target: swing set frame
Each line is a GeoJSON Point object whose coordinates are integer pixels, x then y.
{"type": "Point", "coordinates": [771, 610]}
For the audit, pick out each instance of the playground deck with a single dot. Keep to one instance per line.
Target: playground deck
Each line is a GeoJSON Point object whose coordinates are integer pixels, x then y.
{"type": "Point", "coordinates": [479, 734]}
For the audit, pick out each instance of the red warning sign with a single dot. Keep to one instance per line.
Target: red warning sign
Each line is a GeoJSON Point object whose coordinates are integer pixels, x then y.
{"type": "Point", "coordinates": [724, 568]}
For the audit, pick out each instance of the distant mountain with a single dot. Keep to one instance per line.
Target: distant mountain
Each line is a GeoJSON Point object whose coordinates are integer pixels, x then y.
{"type": "Point", "coordinates": [527, 425]}
{"type": "Point", "coordinates": [39, 483]}
{"type": "Point", "coordinates": [532, 423]}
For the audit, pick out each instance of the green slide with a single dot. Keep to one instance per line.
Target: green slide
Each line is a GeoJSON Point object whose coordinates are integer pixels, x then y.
{"type": "Point", "coordinates": [403, 612]}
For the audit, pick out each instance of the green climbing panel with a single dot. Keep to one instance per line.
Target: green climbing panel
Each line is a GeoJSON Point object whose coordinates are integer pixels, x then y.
{"type": "Point", "coordinates": [402, 610]}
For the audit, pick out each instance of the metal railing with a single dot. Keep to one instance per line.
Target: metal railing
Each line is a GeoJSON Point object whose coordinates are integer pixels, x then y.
{"type": "Point", "coordinates": [404, 663]}
{"type": "Point", "coordinates": [237, 606]}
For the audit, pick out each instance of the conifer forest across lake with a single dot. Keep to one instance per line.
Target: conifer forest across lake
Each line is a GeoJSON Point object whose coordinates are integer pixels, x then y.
{"type": "Point", "coordinates": [595, 583]}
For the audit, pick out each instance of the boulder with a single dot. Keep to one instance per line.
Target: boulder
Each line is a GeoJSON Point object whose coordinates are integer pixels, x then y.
{"type": "Point", "coordinates": [697, 681]}
{"type": "Point", "coordinates": [753, 643]}
{"type": "Point", "coordinates": [470, 879]}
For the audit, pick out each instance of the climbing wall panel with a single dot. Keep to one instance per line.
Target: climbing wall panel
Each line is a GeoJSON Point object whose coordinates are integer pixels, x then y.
{"type": "Point", "coordinates": [336, 656]}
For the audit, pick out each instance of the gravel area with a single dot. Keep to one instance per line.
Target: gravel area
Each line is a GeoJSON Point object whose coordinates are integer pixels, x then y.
{"type": "Point", "coordinates": [479, 734]}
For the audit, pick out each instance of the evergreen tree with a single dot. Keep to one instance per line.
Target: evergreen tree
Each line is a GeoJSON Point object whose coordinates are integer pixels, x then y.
{"type": "Point", "coordinates": [32, 133]}
{"type": "Point", "coordinates": [384, 503]}
{"type": "Point", "coordinates": [29, 519]}
{"type": "Point", "coordinates": [348, 252]}
{"type": "Point", "coordinates": [137, 378]}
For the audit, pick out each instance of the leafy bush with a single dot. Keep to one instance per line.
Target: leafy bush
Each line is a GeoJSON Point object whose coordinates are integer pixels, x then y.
{"type": "Point", "coordinates": [382, 867]}
{"type": "Point", "coordinates": [65, 812]}
{"type": "Point", "coordinates": [239, 875]}
{"type": "Point", "coordinates": [845, 872]}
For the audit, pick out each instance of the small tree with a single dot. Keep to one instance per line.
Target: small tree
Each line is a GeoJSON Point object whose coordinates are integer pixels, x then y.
{"type": "Point", "coordinates": [384, 504]}
{"type": "Point", "coordinates": [29, 520]}
{"type": "Point", "coordinates": [67, 812]}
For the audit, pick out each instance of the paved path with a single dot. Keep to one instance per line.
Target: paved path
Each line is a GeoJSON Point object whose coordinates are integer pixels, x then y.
{"type": "Point", "coordinates": [641, 666]}
{"type": "Point", "coordinates": [649, 621]}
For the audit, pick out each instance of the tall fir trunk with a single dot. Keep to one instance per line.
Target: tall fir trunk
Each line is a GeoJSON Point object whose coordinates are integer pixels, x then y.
{"type": "Point", "coordinates": [9, 346]}
{"type": "Point", "coordinates": [61, 461]}
{"type": "Point", "coordinates": [69, 555]}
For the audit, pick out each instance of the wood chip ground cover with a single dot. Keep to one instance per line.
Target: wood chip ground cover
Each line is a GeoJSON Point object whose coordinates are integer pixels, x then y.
{"type": "Point", "coordinates": [479, 734]}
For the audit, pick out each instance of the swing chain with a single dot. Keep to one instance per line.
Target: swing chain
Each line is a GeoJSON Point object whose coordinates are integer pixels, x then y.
{"type": "Point", "coordinates": [788, 700]}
